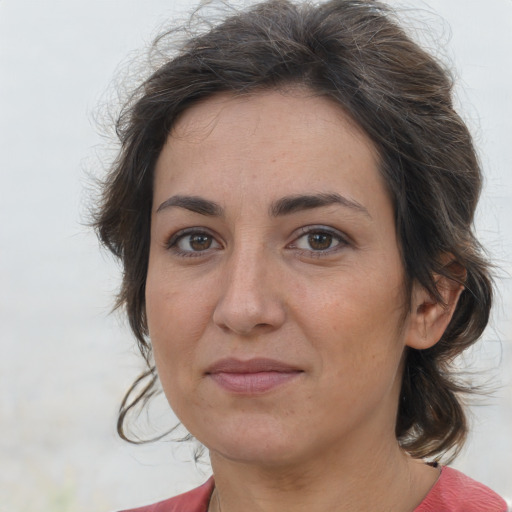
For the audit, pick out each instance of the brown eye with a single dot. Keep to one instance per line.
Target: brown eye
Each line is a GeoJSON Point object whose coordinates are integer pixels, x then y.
{"type": "Point", "coordinates": [193, 243]}
{"type": "Point", "coordinates": [200, 242]}
{"type": "Point", "coordinates": [320, 241]}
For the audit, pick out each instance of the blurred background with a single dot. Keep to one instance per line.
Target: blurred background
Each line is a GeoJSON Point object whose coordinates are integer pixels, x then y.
{"type": "Point", "coordinates": [65, 361]}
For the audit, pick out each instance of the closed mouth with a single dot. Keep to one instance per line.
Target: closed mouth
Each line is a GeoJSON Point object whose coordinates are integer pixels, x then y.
{"type": "Point", "coordinates": [253, 376]}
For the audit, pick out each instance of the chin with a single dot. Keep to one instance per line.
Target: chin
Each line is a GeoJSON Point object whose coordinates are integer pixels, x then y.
{"type": "Point", "coordinates": [260, 443]}
{"type": "Point", "coordinates": [259, 455]}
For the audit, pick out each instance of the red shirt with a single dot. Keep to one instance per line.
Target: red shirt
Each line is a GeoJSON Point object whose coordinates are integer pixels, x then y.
{"type": "Point", "coordinates": [453, 492]}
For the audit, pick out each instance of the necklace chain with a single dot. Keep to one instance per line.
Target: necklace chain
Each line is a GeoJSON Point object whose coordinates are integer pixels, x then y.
{"type": "Point", "coordinates": [215, 498]}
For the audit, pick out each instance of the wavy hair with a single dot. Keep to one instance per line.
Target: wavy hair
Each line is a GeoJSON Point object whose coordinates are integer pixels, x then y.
{"type": "Point", "coordinates": [355, 53]}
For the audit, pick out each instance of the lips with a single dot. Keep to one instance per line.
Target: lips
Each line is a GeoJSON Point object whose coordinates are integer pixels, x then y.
{"type": "Point", "coordinates": [254, 376]}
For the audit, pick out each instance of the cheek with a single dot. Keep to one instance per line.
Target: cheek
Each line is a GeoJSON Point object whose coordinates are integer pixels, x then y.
{"type": "Point", "coordinates": [177, 315]}
{"type": "Point", "coordinates": [172, 328]}
{"type": "Point", "coordinates": [177, 318]}
{"type": "Point", "coordinates": [354, 298]}
{"type": "Point", "coordinates": [174, 299]}
{"type": "Point", "coordinates": [356, 324]}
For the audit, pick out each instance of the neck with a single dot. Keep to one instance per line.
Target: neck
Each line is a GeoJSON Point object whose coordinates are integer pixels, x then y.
{"type": "Point", "coordinates": [381, 478]}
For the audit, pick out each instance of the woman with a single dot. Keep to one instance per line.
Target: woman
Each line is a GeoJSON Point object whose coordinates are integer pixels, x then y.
{"type": "Point", "coordinates": [293, 207]}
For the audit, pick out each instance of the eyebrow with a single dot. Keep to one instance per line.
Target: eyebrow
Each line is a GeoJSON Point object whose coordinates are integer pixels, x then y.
{"type": "Point", "coordinates": [292, 204]}
{"type": "Point", "coordinates": [284, 206]}
{"type": "Point", "coordinates": [195, 204]}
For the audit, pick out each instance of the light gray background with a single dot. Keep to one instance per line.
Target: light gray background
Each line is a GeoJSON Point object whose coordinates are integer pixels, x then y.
{"type": "Point", "coordinates": [64, 362]}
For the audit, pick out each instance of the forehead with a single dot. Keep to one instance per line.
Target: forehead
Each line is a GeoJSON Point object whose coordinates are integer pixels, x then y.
{"type": "Point", "coordinates": [268, 143]}
{"type": "Point", "coordinates": [293, 113]}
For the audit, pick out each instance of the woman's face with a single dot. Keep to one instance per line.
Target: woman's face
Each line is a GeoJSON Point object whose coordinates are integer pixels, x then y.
{"type": "Point", "coordinates": [275, 289]}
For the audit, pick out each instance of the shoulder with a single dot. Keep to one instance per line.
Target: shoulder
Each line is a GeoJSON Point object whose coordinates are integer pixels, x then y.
{"type": "Point", "coordinates": [196, 500]}
{"type": "Point", "coordinates": [456, 492]}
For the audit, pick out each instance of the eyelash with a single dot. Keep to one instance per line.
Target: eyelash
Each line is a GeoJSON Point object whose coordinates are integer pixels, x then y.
{"type": "Point", "coordinates": [306, 231]}
{"type": "Point", "coordinates": [172, 243]}
{"type": "Point", "coordinates": [175, 239]}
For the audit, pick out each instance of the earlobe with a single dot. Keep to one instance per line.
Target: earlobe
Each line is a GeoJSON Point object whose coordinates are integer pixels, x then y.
{"type": "Point", "coordinates": [429, 318]}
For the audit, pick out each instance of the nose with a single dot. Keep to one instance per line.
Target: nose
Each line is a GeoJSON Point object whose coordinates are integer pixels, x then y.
{"type": "Point", "coordinates": [250, 301]}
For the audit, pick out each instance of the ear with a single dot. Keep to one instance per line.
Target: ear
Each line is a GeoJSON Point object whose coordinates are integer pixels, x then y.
{"type": "Point", "coordinates": [429, 319]}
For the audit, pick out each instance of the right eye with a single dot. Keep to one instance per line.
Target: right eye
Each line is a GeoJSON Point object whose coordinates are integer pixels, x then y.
{"type": "Point", "coordinates": [192, 243]}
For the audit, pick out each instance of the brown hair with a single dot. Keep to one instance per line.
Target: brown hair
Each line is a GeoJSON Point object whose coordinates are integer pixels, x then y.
{"type": "Point", "coordinates": [356, 54]}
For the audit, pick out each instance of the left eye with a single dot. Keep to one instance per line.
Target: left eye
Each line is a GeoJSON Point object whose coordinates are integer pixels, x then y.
{"type": "Point", "coordinates": [318, 241]}
{"type": "Point", "coordinates": [192, 242]}
{"type": "Point", "coordinates": [196, 242]}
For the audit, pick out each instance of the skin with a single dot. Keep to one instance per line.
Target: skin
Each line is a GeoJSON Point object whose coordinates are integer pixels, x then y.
{"type": "Point", "coordinates": [318, 288]}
